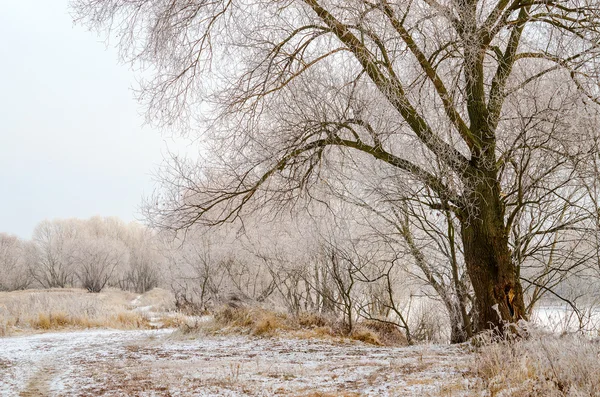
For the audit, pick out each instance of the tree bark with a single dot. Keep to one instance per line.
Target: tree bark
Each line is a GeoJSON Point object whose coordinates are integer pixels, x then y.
{"type": "Point", "coordinates": [494, 276]}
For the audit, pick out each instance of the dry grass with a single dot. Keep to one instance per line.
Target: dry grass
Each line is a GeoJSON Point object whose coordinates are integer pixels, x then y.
{"type": "Point", "coordinates": [174, 320]}
{"type": "Point", "coordinates": [365, 335]}
{"type": "Point", "coordinates": [311, 320]}
{"type": "Point", "coordinates": [260, 322]}
{"type": "Point", "coordinates": [388, 334]}
{"type": "Point", "coordinates": [330, 394]}
{"type": "Point", "coordinates": [160, 299]}
{"type": "Point", "coordinates": [61, 309]}
{"type": "Point", "coordinates": [268, 324]}
{"type": "Point", "coordinates": [543, 365]}
{"type": "Point", "coordinates": [254, 321]}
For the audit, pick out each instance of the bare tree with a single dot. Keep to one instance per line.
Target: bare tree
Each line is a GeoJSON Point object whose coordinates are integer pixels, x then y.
{"type": "Point", "coordinates": [449, 279]}
{"type": "Point", "coordinates": [195, 271]}
{"type": "Point", "coordinates": [142, 275]}
{"type": "Point", "coordinates": [423, 238]}
{"type": "Point", "coordinates": [53, 264]}
{"type": "Point", "coordinates": [13, 263]}
{"type": "Point", "coordinates": [96, 261]}
{"type": "Point", "coordinates": [450, 95]}
{"type": "Point", "coordinates": [96, 252]}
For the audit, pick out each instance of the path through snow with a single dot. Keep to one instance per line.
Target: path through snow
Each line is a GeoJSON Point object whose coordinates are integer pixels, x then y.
{"type": "Point", "coordinates": [153, 363]}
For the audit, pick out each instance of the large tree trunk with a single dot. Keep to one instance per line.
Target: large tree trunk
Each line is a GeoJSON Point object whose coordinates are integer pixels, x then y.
{"type": "Point", "coordinates": [495, 278]}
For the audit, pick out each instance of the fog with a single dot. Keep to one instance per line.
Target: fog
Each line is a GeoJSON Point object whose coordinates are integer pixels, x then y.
{"type": "Point", "coordinates": [72, 141]}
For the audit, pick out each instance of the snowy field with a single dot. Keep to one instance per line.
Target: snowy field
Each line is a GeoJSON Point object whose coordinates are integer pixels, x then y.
{"type": "Point", "coordinates": [167, 363]}
{"type": "Point", "coordinates": [561, 319]}
{"type": "Point", "coordinates": [155, 363]}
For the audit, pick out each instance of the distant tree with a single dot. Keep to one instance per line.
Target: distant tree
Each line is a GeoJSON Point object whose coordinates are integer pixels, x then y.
{"type": "Point", "coordinates": [96, 261]}
{"type": "Point", "coordinates": [93, 254]}
{"type": "Point", "coordinates": [488, 108]}
{"type": "Point", "coordinates": [14, 273]}
{"type": "Point", "coordinates": [142, 272]}
{"type": "Point", "coordinates": [52, 265]}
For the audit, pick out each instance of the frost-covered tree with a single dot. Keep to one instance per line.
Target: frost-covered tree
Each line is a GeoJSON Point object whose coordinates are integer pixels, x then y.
{"type": "Point", "coordinates": [14, 273]}
{"type": "Point", "coordinates": [52, 266]}
{"type": "Point", "coordinates": [93, 253]}
{"type": "Point", "coordinates": [142, 272]}
{"type": "Point", "coordinates": [455, 97]}
{"type": "Point", "coordinates": [96, 261]}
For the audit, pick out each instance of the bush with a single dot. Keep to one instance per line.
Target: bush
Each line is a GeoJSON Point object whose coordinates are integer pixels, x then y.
{"type": "Point", "coordinates": [260, 322]}
{"type": "Point", "coordinates": [387, 333]}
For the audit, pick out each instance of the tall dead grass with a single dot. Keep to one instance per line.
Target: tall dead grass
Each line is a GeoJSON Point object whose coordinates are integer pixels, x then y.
{"type": "Point", "coordinates": [542, 365]}
{"type": "Point", "coordinates": [261, 322]}
{"type": "Point", "coordinates": [57, 309]}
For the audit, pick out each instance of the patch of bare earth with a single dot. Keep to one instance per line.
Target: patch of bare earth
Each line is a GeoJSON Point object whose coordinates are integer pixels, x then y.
{"type": "Point", "coordinates": [151, 363]}
{"type": "Point", "coordinates": [38, 384]}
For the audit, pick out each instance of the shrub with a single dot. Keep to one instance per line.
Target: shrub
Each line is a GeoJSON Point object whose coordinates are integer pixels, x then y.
{"type": "Point", "coordinates": [260, 322]}
{"type": "Point", "coordinates": [365, 335]}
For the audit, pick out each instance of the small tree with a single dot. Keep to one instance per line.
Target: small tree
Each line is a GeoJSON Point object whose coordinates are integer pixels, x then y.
{"type": "Point", "coordinates": [52, 266]}
{"type": "Point", "coordinates": [97, 260]}
{"type": "Point", "coordinates": [194, 270]}
{"type": "Point", "coordinates": [13, 263]}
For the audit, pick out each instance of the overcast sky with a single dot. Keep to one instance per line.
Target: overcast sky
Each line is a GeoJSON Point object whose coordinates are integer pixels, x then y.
{"type": "Point", "coordinates": [71, 136]}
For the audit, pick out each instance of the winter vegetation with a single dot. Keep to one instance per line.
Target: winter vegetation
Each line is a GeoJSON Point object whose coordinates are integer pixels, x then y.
{"type": "Point", "coordinates": [31, 311]}
{"type": "Point", "coordinates": [453, 140]}
{"type": "Point", "coordinates": [90, 254]}
{"type": "Point", "coordinates": [271, 285]}
{"type": "Point", "coordinates": [373, 179]}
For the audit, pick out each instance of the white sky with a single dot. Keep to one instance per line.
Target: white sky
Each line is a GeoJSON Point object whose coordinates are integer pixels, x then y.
{"type": "Point", "coordinates": [71, 136]}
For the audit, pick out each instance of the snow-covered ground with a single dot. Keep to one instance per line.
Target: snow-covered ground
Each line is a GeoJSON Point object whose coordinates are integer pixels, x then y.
{"type": "Point", "coordinates": [163, 363]}
{"type": "Point", "coordinates": [155, 363]}
{"type": "Point", "coordinates": [562, 318]}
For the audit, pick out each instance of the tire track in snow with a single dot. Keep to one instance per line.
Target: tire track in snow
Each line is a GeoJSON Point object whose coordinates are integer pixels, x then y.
{"type": "Point", "coordinates": [41, 365]}
{"type": "Point", "coordinates": [39, 384]}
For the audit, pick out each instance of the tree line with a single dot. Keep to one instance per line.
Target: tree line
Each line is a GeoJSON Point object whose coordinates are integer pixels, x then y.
{"type": "Point", "coordinates": [91, 254]}
{"type": "Point", "coordinates": [334, 259]}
